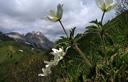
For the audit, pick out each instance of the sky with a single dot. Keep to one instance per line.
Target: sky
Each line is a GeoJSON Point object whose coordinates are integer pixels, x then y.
{"type": "Point", "coordinates": [30, 15]}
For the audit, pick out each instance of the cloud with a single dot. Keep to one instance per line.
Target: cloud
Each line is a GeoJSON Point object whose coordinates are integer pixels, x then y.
{"type": "Point", "coordinates": [24, 15]}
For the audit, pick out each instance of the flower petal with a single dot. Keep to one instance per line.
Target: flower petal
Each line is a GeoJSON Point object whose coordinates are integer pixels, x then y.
{"type": "Point", "coordinates": [108, 2]}
{"type": "Point", "coordinates": [41, 75]}
{"type": "Point", "coordinates": [59, 11]}
{"type": "Point", "coordinates": [51, 18]}
{"type": "Point", "coordinates": [55, 50]}
{"type": "Point", "coordinates": [100, 3]}
{"type": "Point", "coordinates": [52, 13]}
{"type": "Point", "coordinates": [105, 5]}
{"type": "Point", "coordinates": [60, 50]}
{"type": "Point", "coordinates": [111, 6]}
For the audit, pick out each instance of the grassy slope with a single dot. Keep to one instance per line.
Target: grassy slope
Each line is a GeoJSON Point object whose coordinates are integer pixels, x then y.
{"type": "Point", "coordinates": [16, 65]}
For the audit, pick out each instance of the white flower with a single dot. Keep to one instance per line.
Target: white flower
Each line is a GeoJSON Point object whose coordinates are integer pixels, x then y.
{"type": "Point", "coordinates": [46, 71]}
{"type": "Point", "coordinates": [51, 62]}
{"type": "Point", "coordinates": [58, 55]}
{"type": "Point", "coordinates": [56, 15]}
{"type": "Point", "coordinates": [59, 51]}
{"type": "Point", "coordinates": [21, 51]}
{"type": "Point", "coordinates": [105, 5]}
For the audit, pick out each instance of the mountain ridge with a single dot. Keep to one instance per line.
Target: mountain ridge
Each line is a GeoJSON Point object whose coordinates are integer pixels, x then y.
{"type": "Point", "coordinates": [34, 39]}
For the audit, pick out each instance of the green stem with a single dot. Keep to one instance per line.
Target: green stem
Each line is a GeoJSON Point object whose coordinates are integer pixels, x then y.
{"type": "Point", "coordinates": [82, 55]}
{"type": "Point", "coordinates": [77, 48]}
{"type": "Point", "coordinates": [63, 28]}
{"type": "Point", "coordinates": [102, 17]}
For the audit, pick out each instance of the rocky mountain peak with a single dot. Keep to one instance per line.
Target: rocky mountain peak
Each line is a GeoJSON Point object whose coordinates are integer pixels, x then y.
{"type": "Point", "coordinates": [36, 39]}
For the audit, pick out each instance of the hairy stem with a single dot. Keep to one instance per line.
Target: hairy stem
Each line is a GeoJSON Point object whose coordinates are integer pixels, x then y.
{"type": "Point", "coordinates": [102, 17]}
{"type": "Point", "coordinates": [63, 28]}
{"type": "Point", "coordinates": [77, 48]}
{"type": "Point", "coordinates": [82, 55]}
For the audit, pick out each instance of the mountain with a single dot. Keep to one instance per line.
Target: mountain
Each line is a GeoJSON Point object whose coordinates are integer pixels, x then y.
{"type": "Point", "coordinates": [35, 39]}
{"type": "Point", "coordinates": [4, 37]}
{"type": "Point", "coordinates": [16, 36]}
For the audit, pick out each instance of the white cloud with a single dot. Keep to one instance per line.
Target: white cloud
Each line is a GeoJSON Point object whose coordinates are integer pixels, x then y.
{"type": "Point", "coordinates": [24, 15]}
